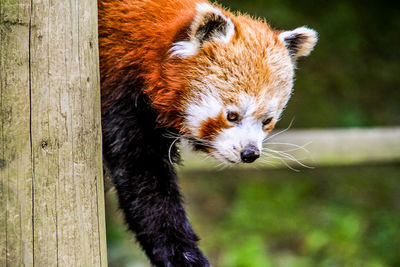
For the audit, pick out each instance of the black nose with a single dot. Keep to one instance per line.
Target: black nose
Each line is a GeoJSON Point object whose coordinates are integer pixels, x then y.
{"type": "Point", "coordinates": [250, 154]}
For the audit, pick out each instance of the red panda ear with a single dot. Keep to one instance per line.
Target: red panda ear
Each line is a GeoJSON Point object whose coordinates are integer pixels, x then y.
{"type": "Point", "coordinates": [300, 42]}
{"type": "Point", "coordinates": [208, 25]}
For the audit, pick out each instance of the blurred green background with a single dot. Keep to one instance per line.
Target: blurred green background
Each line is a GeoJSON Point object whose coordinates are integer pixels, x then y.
{"type": "Point", "coordinates": [332, 216]}
{"type": "Point", "coordinates": [327, 216]}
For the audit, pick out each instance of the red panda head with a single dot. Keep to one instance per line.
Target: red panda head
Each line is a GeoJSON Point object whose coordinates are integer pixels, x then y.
{"type": "Point", "coordinates": [238, 75]}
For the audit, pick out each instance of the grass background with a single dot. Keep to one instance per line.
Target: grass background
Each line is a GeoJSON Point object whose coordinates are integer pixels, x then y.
{"type": "Point", "coordinates": [331, 216]}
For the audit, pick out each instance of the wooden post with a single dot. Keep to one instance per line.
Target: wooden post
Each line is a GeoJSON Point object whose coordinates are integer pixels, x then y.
{"type": "Point", "coordinates": [51, 185]}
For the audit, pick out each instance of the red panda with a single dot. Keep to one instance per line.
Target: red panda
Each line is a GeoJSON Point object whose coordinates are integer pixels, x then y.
{"type": "Point", "coordinates": [187, 69]}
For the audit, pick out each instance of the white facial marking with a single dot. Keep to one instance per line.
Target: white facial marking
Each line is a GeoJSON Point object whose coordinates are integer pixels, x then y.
{"type": "Point", "coordinates": [230, 142]}
{"type": "Point", "coordinates": [248, 104]}
{"type": "Point", "coordinates": [273, 105]}
{"type": "Point", "coordinates": [209, 106]}
{"type": "Point", "coordinates": [273, 109]}
{"type": "Point", "coordinates": [248, 130]}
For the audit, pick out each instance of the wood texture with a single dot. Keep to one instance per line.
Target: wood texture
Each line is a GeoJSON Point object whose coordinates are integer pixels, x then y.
{"type": "Point", "coordinates": [51, 186]}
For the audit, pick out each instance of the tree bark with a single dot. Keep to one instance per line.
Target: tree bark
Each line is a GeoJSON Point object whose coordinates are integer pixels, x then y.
{"type": "Point", "coordinates": [51, 185]}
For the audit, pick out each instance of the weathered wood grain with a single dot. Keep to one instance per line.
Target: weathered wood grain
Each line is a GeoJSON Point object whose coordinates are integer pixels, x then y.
{"type": "Point", "coordinates": [51, 190]}
{"type": "Point", "coordinates": [16, 242]}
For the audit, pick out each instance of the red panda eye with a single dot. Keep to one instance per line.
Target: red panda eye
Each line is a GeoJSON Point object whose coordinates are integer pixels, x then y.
{"type": "Point", "coordinates": [267, 121]}
{"type": "Point", "coordinates": [232, 116]}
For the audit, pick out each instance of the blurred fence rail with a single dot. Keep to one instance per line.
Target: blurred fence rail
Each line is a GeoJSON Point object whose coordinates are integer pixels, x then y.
{"type": "Point", "coordinates": [318, 148]}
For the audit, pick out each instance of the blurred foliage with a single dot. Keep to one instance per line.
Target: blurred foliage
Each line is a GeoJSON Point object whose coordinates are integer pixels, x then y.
{"type": "Point", "coordinates": [353, 76]}
{"type": "Point", "coordinates": [342, 216]}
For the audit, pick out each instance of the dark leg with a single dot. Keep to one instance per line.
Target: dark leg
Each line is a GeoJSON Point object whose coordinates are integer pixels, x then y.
{"type": "Point", "coordinates": [137, 156]}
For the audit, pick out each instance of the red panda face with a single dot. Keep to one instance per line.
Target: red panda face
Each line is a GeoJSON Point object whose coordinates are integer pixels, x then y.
{"type": "Point", "coordinates": [229, 129]}
{"type": "Point", "coordinates": [239, 74]}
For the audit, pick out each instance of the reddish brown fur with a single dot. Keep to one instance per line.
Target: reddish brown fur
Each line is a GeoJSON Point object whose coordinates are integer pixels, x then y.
{"type": "Point", "coordinates": [210, 128]}
{"type": "Point", "coordinates": [135, 38]}
{"type": "Point", "coordinates": [268, 128]}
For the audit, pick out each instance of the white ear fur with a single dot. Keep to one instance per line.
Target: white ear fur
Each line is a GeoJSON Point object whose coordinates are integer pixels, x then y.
{"type": "Point", "coordinates": [300, 42]}
{"type": "Point", "coordinates": [209, 25]}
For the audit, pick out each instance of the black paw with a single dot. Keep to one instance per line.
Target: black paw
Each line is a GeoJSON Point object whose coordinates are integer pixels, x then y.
{"type": "Point", "coordinates": [179, 258]}
{"type": "Point", "coordinates": [195, 258]}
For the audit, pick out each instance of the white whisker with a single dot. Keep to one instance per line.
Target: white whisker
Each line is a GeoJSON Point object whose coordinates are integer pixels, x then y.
{"type": "Point", "coordinates": [284, 162]}
{"type": "Point", "coordinates": [302, 147]}
{"type": "Point", "coordinates": [278, 133]}
{"type": "Point", "coordinates": [266, 161]}
{"type": "Point", "coordinates": [170, 147]}
{"type": "Point", "coordinates": [288, 157]}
